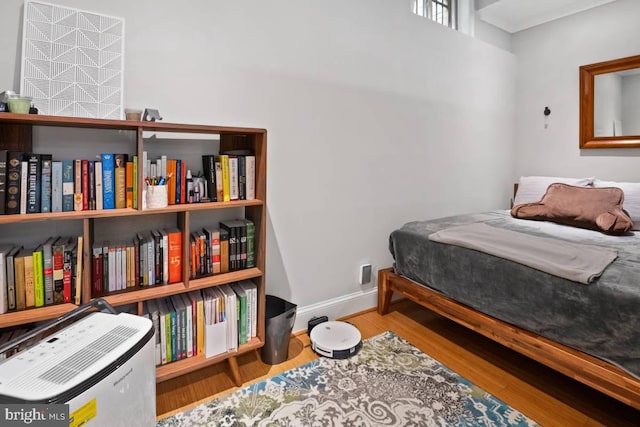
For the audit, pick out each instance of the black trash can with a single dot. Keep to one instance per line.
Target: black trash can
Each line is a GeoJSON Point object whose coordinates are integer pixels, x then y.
{"type": "Point", "coordinates": [280, 316]}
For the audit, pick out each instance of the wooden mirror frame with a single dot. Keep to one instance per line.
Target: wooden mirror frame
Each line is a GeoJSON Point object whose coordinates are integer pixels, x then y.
{"type": "Point", "coordinates": [587, 78]}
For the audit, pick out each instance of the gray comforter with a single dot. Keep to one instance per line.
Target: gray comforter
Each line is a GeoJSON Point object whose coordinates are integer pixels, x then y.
{"type": "Point", "coordinates": [601, 318]}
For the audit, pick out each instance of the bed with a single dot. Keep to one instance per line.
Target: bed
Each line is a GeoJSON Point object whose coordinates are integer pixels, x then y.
{"type": "Point", "coordinates": [590, 332]}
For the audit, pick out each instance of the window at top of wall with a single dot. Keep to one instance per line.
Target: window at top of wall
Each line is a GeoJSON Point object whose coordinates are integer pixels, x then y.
{"type": "Point", "coordinates": [441, 11]}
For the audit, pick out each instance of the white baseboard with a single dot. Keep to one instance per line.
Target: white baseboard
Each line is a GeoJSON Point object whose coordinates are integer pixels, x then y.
{"type": "Point", "coordinates": [336, 307]}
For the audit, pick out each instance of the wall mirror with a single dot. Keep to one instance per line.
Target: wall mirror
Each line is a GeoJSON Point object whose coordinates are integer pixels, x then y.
{"type": "Point", "coordinates": [610, 104]}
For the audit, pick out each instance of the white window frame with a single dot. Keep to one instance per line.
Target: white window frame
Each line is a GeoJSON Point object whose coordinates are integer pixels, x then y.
{"type": "Point", "coordinates": [434, 10]}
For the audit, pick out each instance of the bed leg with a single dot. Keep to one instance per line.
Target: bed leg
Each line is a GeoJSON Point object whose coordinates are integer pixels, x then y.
{"type": "Point", "coordinates": [384, 292]}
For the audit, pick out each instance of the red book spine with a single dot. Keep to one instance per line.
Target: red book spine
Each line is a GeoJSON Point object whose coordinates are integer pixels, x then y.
{"type": "Point", "coordinates": [183, 181]}
{"type": "Point", "coordinates": [97, 275]}
{"type": "Point", "coordinates": [85, 185]}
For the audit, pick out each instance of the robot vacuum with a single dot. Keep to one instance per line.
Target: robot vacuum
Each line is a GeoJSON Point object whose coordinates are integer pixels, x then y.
{"type": "Point", "coordinates": [336, 340]}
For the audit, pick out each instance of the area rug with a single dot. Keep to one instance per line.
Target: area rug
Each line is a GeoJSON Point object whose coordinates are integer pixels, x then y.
{"type": "Point", "coordinates": [388, 383]}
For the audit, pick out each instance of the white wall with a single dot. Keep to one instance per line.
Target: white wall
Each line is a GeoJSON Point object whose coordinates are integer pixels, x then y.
{"type": "Point", "coordinates": [375, 117]}
{"type": "Point", "coordinates": [549, 56]}
{"type": "Point", "coordinates": [492, 34]}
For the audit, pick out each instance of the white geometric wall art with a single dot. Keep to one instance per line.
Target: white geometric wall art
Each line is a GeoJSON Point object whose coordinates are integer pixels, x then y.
{"type": "Point", "coordinates": [72, 61]}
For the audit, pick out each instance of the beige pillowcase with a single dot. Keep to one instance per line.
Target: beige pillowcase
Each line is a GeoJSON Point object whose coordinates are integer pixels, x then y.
{"type": "Point", "coordinates": [584, 207]}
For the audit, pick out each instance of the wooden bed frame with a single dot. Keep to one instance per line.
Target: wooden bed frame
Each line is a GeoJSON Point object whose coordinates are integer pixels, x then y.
{"type": "Point", "coordinates": [582, 367]}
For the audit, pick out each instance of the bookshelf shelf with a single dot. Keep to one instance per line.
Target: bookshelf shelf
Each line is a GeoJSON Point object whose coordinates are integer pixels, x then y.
{"type": "Point", "coordinates": [181, 367]}
{"type": "Point", "coordinates": [17, 134]}
{"type": "Point", "coordinates": [34, 315]}
{"type": "Point", "coordinates": [111, 213]}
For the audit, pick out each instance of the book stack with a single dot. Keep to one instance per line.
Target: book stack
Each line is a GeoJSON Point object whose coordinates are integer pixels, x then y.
{"type": "Point", "coordinates": [45, 275]}
{"type": "Point", "coordinates": [149, 259]}
{"type": "Point", "coordinates": [228, 247]}
{"type": "Point", "coordinates": [36, 183]}
{"type": "Point", "coordinates": [207, 322]}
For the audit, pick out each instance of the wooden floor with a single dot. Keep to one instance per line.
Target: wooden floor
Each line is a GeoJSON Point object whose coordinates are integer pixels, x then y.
{"type": "Point", "coordinates": [547, 397]}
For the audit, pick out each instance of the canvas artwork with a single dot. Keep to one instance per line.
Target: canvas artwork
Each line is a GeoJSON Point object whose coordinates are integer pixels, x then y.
{"type": "Point", "coordinates": [72, 61]}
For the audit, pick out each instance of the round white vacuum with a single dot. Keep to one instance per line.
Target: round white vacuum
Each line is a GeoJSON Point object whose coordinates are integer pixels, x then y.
{"type": "Point", "coordinates": [337, 340]}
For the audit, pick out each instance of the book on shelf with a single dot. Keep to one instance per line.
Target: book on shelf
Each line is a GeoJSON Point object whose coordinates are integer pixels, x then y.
{"type": "Point", "coordinates": [77, 185]}
{"type": "Point", "coordinates": [108, 181]}
{"type": "Point", "coordinates": [179, 183]}
{"type": "Point", "coordinates": [158, 256]}
{"type": "Point", "coordinates": [135, 182]}
{"type": "Point", "coordinates": [14, 182]}
{"type": "Point", "coordinates": [79, 270]}
{"type": "Point", "coordinates": [173, 330]}
{"type": "Point", "coordinates": [232, 316]}
{"type": "Point", "coordinates": [170, 166]}
{"type": "Point", "coordinates": [233, 244]}
{"type": "Point", "coordinates": [29, 279]}
{"type": "Point", "coordinates": [129, 184]}
{"type": "Point", "coordinates": [91, 167]}
{"type": "Point", "coordinates": [224, 250]}
{"type": "Point", "coordinates": [165, 256]}
{"type": "Point", "coordinates": [152, 309]}
{"type": "Point", "coordinates": [120, 186]}
{"type": "Point", "coordinates": [252, 290]}
{"type": "Point", "coordinates": [46, 182]}
{"type": "Point", "coordinates": [4, 252]}
{"type": "Point", "coordinates": [84, 183]}
{"type": "Point", "coordinates": [58, 269]}
{"type": "Point", "coordinates": [99, 189]}
{"type": "Point", "coordinates": [3, 179]}
{"type": "Point", "coordinates": [224, 164]}
{"type": "Point", "coordinates": [209, 170]}
{"type": "Point", "coordinates": [38, 276]}
{"type": "Point", "coordinates": [250, 168]}
{"type": "Point", "coordinates": [56, 186]}
{"type": "Point", "coordinates": [47, 270]}
{"type": "Point", "coordinates": [213, 244]}
{"type": "Point", "coordinates": [68, 185]}
{"type": "Point", "coordinates": [24, 182]}
{"type": "Point", "coordinates": [68, 273]}
{"type": "Point", "coordinates": [165, 330]}
{"type": "Point", "coordinates": [34, 177]}
{"type": "Point", "coordinates": [175, 255]}
{"type": "Point", "coordinates": [198, 314]}
{"type": "Point", "coordinates": [233, 177]}
{"type": "Point", "coordinates": [242, 312]}
{"type": "Point", "coordinates": [242, 178]}
{"type": "Point", "coordinates": [21, 291]}
{"type": "Point", "coordinates": [97, 269]}
{"type": "Point", "coordinates": [11, 278]}
{"type": "Point", "coordinates": [183, 182]}
{"type": "Point", "coordinates": [251, 243]}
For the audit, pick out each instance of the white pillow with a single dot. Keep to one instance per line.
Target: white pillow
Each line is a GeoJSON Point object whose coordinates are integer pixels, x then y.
{"type": "Point", "coordinates": [631, 192]}
{"type": "Point", "coordinates": [532, 188]}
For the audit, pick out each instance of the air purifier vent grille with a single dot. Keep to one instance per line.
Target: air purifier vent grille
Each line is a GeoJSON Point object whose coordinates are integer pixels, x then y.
{"type": "Point", "coordinates": [85, 357]}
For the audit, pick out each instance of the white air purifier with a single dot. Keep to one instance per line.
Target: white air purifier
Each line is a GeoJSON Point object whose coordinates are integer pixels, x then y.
{"type": "Point", "coordinates": [102, 365]}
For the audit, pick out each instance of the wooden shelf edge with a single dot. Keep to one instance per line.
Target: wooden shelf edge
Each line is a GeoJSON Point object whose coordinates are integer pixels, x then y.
{"type": "Point", "coordinates": [112, 213]}
{"type": "Point", "coordinates": [181, 367]}
{"type": "Point", "coordinates": [35, 314]}
{"type": "Point", "coordinates": [161, 291]}
{"type": "Point", "coordinates": [221, 279]}
{"type": "Point", "coordinates": [82, 122]}
{"type": "Point", "coordinates": [143, 294]}
{"type": "Point", "coordinates": [202, 206]}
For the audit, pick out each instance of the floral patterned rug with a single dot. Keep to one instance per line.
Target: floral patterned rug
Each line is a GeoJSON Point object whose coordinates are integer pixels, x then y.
{"type": "Point", "coordinates": [388, 383]}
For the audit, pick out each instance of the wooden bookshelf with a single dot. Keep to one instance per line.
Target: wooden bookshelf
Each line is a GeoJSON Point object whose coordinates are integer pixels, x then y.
{"type": "Point", "coordinates": [16, 134]}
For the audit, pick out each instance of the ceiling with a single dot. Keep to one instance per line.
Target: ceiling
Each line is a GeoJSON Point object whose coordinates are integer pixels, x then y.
{"type": "Point", "coordinates": [516, 15]}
